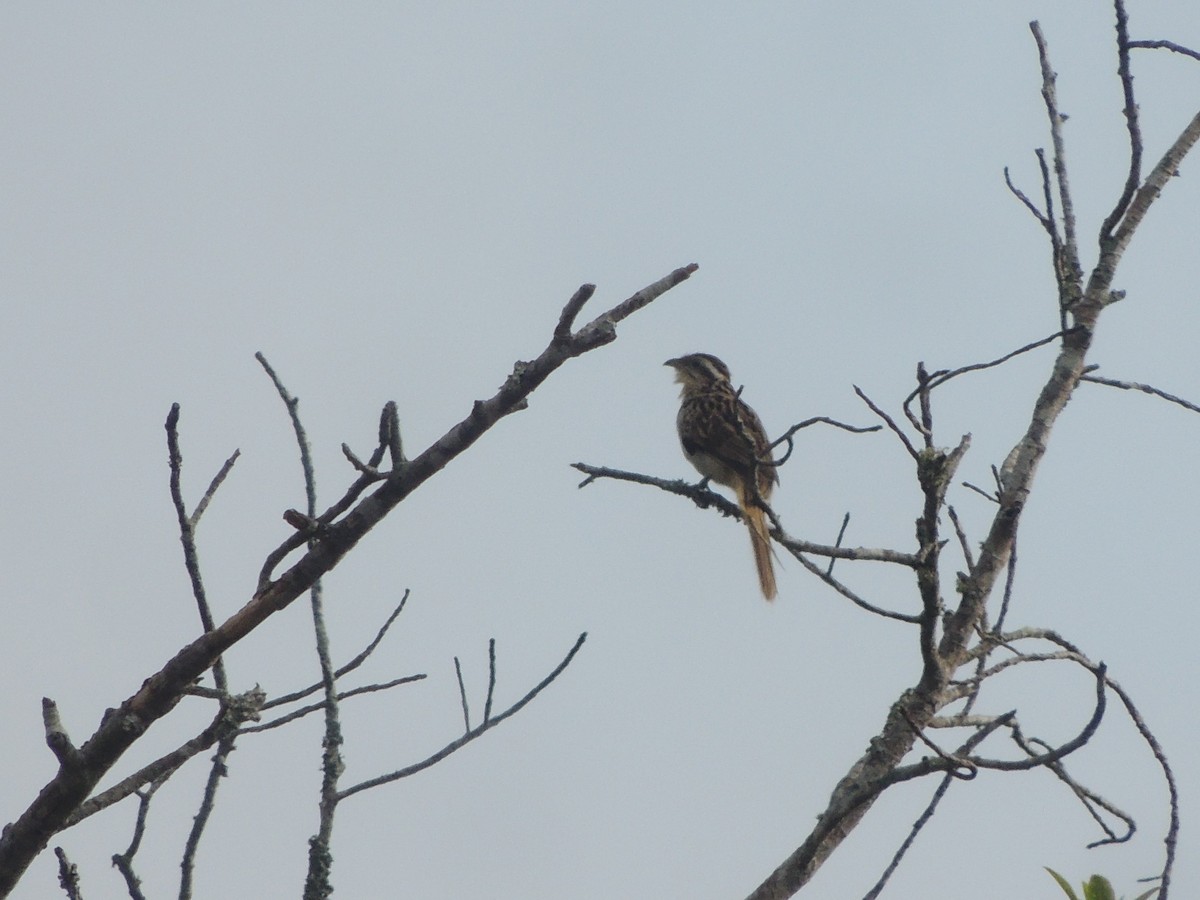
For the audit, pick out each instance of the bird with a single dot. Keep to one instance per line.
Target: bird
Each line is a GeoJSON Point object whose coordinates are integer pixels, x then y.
{"type": "Point", "coordinates": [725, 440]}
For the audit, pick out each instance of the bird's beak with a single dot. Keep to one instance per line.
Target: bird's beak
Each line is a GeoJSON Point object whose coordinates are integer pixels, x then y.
{"type": "Point", "coordinates": [672, 362]}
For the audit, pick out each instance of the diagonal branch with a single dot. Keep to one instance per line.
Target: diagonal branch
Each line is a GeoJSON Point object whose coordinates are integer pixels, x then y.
{"type": "Point", "coordinates": [121, 727]}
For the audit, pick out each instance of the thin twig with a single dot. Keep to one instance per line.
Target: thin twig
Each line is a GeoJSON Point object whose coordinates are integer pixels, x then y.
{"type": "Point", "coordinates": [123, 862]}
{"type": "Point", "coordinates": [788, 436]}
{"type": "Point", "coordinates": [217, 481]}
{"type": "Point", "coordinates": [208, 802]}
{"type": "Point", "coordinates": [1172, 837]}
{"type": "Point", "coordinates": [292, 404]}
{"type": "Point", "coordinates": [1010, 579]}
{"type": "Point", "coordinates": [851, 595]}
{"type": "Point", "coordinates": [909, 839]}
{"type": "Point", "coordinates": [912, 451]}
{"type": "Point", "coordinates": [1134, 177]}
{"type": "Point", "coordinates": [487, 706]}
{"type": "Point", "coordinates": [159, 769]}
{"type": "Point", "coordinates": [1089, 800]}
{"type": "Point", "coordinates": [1044, 219]}
{"type": "Point", "coordinates": [838, 543]}
{"type": "Point", "coordinates": [1070, 270]}
{"type": "Point", "coordinates": [471, 734]}
{"type": "Point", "coordinates": [1062, 750]}
{"type": "Point", "coordinates": [234, 711]}
{"type": "Point", "coordinates": [1144, 388]}
{"type": "Point", "coordinates": [1164, 45]}
{"type": "Point", "coordinates": [342, 696]}
{"type": "Point", "coordinates": [940, 377]}
{"type": "Point", "coordinates": [956, 762]}
{"type": "Point", "coordinates": [963, 543]}
{"type": "Point", "coordinates": [187, 533]}
{"type": "Point", "coordinates": [980, 491]}
{"type": "Point", "coordinates": [462, 695]}
{"type": "Point", "coordinates": [939, 793]}
{"type": "Point", "coordinates": [317, 882]}
{"type": "Point", "coordinates": [348, 667]}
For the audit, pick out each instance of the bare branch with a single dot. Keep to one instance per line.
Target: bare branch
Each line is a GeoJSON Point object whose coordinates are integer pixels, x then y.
{"type": "Point", "coordinates": [1172, 838]}
{"type": "Point", "coordinates": [940, 377]}
{"type": "Point", "coordinates": [471, 734]}
{"type": "Point", "coordinates": [1091, 801]}
{"type": "Point", "coordinates": [123, 862]}
{"type": "Point", "coordinates": [566, 321]}
{"type": "Point", "coordinates": [849, 594]}
{"type": "Point", "coordinates": [462, 695]}
{"type": "Point", "coordinates": [1168, 167]}
{"type": "Point", "coordinates": [217, 481]}
{"type": "Point", "coordinates": [234, 711]}
{"type": "Point", "coordinates": [292, 404]}
{"type": "Point", "coordinates": [487, 706]}
{"type": "Point", "coordinates": [1052, 756]}
{"type": "Point", "coordinates": [187, 533]}
{"type": "Point", "coordinates": [910, 838]}
{"type": "Point", "coordinates": [1131, 123]}
{"type": "Point", "coordinates": [68, 875]}
{"type": "Point", "coordinates": [348, 667]}
{"type": "Point", "coordinates": [973, 741]}
{"type": "Point", "coordinates": [1144, 388]}
{"type": "Point", "coordinates": [963, 543]}
{"type": "Point", "coordinates": [953, 762]}
{"type": "Point", "coordinates": [1043, 218]}
{"type": "Point", "coordinates": [512, 396]}
{"type": "Point", "coordinates": [389, 435]}
{"type": "Point", "coordinates": [825, 420]}
{"type": "Point", "coordinates": [838, 543]}
{"type": "Point", "coordinates": [208, 801]}
{"type": "Point", "coordinates": [1069, 270]}
{"type": "Point", "coordinates": [912, 451]}
{"type": "Point", "coordinates": [57, 738]}
{"type": "Point", "coordinates": [704, 498]}
{"type": "Point", "coordinates": [317, 707]}
{"type": "Point", "coordinates": [29, 834]}
{"type": "Point", "coordinates": [1010, 579]}
{"type": "Point", "coordinates": [1163, 45]}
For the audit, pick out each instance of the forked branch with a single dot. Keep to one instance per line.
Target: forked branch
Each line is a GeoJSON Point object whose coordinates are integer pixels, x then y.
{"type": "Point", "coordinates": [121, 727]}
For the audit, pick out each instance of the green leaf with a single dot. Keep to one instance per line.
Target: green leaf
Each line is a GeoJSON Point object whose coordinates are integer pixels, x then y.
{"type": "Point", "coordinates": [1098, 888]}
{"type": "Point", "coordinates": [1062, 883]}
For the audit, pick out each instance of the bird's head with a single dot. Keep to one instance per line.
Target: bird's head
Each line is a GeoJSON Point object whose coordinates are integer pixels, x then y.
{"type": "Point", "coordinates": [698, 370]}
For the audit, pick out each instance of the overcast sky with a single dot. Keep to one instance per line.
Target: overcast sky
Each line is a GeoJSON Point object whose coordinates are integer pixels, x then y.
{"type": "Point", "coordinates": [393, 201]}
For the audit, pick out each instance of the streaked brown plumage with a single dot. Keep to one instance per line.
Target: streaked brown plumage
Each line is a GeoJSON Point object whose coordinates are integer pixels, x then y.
{"type": "Point", "coordinates": [725, 440]}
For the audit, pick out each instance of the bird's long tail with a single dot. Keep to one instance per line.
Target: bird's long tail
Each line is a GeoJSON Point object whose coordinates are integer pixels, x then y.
{"type": "Point", "coordinates": [760, 542]}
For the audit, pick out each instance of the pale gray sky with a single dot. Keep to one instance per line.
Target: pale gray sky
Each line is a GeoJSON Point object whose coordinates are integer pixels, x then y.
{"type": "Point", "coordinates": [393, 201]}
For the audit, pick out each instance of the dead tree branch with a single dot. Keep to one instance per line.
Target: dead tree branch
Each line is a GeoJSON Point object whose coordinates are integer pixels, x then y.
{"type": "Point", "coordinates": [121, 727]}
{"type": "Point", "coordinates": [470, 734]}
